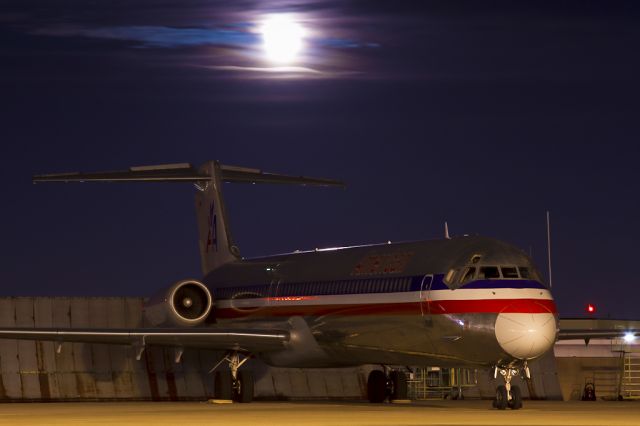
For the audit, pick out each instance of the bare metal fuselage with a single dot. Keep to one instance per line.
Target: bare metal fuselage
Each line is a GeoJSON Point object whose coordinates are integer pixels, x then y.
{"type": "Point", "coordinates": [383, 304]}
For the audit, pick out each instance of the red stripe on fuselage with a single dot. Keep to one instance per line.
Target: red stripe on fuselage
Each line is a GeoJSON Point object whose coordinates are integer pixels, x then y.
{"type": "Point", "coordinates": [439, 307]}
{"type": "Point", "coordinates": [521, 306]}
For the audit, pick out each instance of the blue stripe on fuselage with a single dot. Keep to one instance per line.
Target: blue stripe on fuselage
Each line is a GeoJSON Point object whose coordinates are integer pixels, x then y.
{"type": "Point", "coordinates": [438, 284]}
{"type": "Point", "coordinates": [324, 288]}
{"type": "Point", "coordinates": [503, 283]}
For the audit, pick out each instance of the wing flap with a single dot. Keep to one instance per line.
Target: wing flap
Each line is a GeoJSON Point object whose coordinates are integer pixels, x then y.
{"type": "Point", "coordinates": [253, 340]}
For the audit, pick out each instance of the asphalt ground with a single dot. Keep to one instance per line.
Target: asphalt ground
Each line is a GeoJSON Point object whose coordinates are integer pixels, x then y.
{"type": "Point", "coordinates": [320, 413]}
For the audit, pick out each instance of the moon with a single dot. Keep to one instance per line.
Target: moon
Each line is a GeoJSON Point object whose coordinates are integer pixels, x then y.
{"type": "Point", "coordinates": [282, 38]}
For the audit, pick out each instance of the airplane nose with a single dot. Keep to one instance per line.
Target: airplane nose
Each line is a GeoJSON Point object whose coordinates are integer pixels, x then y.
{"type": "Point", "coordinates": [526, 335]}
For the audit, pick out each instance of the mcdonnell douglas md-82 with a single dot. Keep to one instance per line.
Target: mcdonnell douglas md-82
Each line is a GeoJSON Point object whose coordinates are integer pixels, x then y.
{"type": "Point", "coordinates": [455, 302]}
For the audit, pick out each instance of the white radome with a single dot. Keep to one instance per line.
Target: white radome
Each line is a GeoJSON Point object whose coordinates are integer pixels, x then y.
{"type": "Point", "coordinates": [526, 336]}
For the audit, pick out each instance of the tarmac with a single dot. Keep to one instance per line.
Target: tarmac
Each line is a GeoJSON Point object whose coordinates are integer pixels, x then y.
{"type": "Point", "coordinates": [321, 413]}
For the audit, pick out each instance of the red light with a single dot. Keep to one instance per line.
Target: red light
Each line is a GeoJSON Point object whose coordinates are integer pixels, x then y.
{"type": "Point", "coordinates": [591, 308]}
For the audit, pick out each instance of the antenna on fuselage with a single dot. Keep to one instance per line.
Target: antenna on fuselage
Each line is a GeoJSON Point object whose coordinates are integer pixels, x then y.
{"type": "Point", "coordinates": [446, 231]}
{"type": "Point", "coordinates": [549, 249]}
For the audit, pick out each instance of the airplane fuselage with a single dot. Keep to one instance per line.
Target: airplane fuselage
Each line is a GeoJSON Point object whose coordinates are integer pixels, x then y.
{"type": "Point", "coordinates": [467, 301]}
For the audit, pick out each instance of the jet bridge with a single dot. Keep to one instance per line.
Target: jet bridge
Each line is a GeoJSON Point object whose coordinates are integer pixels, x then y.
{"type": "Point", "coordinates": [612, 366]}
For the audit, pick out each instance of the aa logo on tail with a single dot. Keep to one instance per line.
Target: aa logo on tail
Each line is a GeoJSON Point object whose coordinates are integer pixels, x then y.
{"type": "Point", "coordinates": [212, 237]}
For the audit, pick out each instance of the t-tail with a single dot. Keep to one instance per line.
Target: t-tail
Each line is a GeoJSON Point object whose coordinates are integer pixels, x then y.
{"type": "Point", "coordinates": [216, 243]}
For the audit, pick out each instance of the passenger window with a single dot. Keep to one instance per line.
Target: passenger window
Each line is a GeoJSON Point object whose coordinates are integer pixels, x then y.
{"type": "Point", "coordinates": [396, 285]}
{"type": "Point", "coordinates": [469, 273]}
{"type": "Point", "coordinates": [524, 272]}
{"type": "Point", "coordinates": [509, 272]}
{"type": "Point", "coordinates": [489, 272]}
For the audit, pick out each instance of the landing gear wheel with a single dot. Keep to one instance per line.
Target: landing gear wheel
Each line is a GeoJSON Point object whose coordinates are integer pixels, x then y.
{"type": "Point", "coordinates": [243, 389]}
{"type": "Point", "coordinates": [456, 393]}
{"type": "Point", "coordinates": [376, 386]}
{"type": "Point", "coordinates": [516, 398]}
{"type": "Point", "coordinates": [501, 398]}
{"type": "Point", "coordinates": [223, 383]}
{"type": "Point", "coordinates": [399, 388]}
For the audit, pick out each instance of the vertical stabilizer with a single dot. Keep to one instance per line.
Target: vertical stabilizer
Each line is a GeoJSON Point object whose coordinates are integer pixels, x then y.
{"type": "Point", "coordinates": [216, 244]}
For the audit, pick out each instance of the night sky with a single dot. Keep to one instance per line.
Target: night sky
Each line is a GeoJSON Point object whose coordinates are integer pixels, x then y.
{"type": "Point", "coordinates": [482, 114]}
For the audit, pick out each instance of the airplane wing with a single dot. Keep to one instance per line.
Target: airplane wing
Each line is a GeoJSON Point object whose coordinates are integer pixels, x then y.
{"type": "Point", "coordinates": [250, 340]}
{"type": "Point", "coordinates": [586, 335]}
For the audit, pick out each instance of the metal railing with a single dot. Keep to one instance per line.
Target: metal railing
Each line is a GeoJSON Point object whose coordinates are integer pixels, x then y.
{"type": "Point", "coordinates": [629, 384]}
{"type": "Point", "coordinates": [440, 383]}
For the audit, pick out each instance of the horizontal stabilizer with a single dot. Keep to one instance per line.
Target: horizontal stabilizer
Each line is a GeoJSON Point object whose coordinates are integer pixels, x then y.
{"type": "Point", "coordinates": [184, 172]}
{"type": "Point", "coordinates": [244, 175]}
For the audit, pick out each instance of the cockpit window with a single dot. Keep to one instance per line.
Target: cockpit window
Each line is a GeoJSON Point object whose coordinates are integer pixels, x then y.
{"type": "Point", "coordinates": [489, 272]}
{"type": "Point", "coordinates": [449, 277]}
{"type": "Point", "coordinates": [509, 272]}
{"type": "Point", "coordinates": [469, 273]}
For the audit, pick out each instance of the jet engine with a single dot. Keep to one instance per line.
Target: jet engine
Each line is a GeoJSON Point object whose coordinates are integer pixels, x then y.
{"type": "Point", "coordinates": [187, 302]}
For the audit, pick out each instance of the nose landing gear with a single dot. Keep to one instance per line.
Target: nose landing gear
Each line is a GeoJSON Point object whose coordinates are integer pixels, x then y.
{"type": "Point", "coordinates": [508, 395]}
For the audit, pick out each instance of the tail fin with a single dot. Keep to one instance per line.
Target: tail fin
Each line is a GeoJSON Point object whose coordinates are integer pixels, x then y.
{"type": "Point", "coordinates": [216, 244]}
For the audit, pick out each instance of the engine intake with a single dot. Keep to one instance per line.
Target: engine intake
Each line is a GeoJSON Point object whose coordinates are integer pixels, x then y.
{"type": "Point", "coordinates": [191, 301]}
{"type": "Point", "coordinates": [187, 302]}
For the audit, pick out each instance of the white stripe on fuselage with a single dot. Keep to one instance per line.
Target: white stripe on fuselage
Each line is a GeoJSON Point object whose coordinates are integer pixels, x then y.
{"type": "Point", "coordinates": [381, 298]}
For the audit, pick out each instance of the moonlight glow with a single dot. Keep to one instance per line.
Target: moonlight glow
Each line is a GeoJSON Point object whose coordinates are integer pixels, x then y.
{"type": "Point", "coordinates": [282, 38]}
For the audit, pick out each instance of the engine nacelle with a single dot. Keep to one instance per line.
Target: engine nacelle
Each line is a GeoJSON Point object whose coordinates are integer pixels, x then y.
{"type": "Point", "coordinates": [187, 302]}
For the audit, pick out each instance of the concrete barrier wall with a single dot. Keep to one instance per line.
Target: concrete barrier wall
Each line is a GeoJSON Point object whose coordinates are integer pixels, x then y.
{"type": "Point", "coordinates": [34, 371]}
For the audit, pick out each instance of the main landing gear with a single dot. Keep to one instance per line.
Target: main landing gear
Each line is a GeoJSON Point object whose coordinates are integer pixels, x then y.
{"type": "Point", "coordinates": [508, 395]}
{"type": "Point", "coordinates": [381, 386]}
{"type": "Point", "coordinates": [235, 384]}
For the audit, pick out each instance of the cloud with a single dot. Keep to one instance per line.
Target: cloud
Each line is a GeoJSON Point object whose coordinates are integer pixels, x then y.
{"type": "Point", "coordinates": [282, 72]}
{"type": "Point", "coordinates": [240, 55]}
{"type": "Point", "coordinates": [159, 36]}
{"type": "Point", "coordinates": [238, 35]}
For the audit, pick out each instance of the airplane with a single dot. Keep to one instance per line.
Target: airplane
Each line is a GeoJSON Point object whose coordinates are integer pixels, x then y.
{"type": "Point", "coordinates": [467, 301]}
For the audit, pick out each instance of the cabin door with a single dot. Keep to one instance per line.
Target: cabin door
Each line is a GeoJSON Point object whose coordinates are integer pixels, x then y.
{"type": "Point", "coordinates": [425, 295]}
